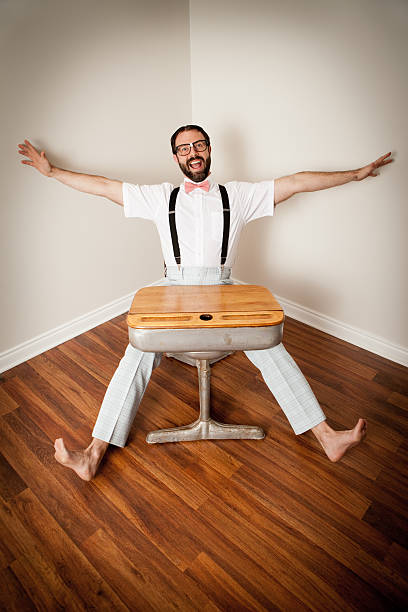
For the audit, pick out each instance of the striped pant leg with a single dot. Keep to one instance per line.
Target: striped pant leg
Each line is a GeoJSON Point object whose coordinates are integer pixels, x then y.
{"type": "Point", "coordinates": [289, 386]}
{"type": "Point", "coordinates": [123, 395]}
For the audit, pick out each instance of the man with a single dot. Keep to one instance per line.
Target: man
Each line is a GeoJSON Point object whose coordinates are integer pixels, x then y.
{"type": "Point", "coordinates": [199, 221]}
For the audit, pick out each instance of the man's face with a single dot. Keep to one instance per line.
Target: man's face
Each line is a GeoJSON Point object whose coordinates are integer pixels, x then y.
{"type": "Point", "coordinates": [195, 165]}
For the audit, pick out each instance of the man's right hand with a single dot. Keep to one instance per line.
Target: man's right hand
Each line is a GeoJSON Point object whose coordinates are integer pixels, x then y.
{"type": "Point", "coordinates": [35, 158]}
{"type": "Point", "coordinates": [88, 183]}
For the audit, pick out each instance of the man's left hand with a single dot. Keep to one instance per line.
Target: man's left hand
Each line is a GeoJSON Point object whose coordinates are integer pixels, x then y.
{"type": "Point", "coordinates": [369, 170]}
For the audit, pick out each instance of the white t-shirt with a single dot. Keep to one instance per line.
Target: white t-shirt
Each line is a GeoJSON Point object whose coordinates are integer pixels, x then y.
{"type": "Point", "coordinates": [199, 217]}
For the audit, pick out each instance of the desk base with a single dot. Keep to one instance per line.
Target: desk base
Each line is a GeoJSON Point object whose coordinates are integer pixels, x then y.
{"type": "Point", "coordinates": [205, 428]}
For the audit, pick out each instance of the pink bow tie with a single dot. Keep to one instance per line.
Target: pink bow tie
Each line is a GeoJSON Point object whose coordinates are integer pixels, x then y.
{"type": "Point", "coordinates": [191, 186]}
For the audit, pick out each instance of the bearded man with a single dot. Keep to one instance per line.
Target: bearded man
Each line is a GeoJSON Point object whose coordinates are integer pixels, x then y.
{"type": "Point", "coordinates": [199, 222]}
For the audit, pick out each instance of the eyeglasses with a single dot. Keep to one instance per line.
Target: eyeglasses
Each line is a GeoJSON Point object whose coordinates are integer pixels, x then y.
{"type": "Point", "coordinates": [184, 149]}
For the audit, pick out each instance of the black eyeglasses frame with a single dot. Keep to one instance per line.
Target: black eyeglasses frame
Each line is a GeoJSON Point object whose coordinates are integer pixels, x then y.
{"type": "Point", "coordinates": [192, 144]}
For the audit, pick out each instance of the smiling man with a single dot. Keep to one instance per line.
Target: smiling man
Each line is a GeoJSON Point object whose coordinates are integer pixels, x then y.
{"type": "Point", "coordinates": [200, 256]}
{"type": "Point", "coordinates": [194, 158]}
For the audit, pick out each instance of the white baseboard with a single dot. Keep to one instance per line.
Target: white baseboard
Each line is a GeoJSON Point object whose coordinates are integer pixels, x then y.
{"type": "Point", "coordinates": [56, 336]}
{"type": "Point", "coordinates": [351, 334]}
{"type": "Point", "coordinates": [64, 332]}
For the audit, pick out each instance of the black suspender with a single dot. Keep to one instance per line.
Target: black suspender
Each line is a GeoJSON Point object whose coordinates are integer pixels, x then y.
{"type": "Point", "coordinates": [172, 221]}
{"type": "Point", "coordinates": [226, 214]}
{"type": "Point", "coordinates": [173, 229]}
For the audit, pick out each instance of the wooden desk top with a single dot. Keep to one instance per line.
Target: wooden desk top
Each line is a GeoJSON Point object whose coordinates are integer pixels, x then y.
{"type": "Point", "coordinates": [181, 306]}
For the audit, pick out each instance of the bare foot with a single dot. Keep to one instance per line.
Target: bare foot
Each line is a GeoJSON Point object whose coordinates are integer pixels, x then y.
{"type": "Point", "coordinates": [336, 443]}
{"type": "Point", "coordinates": [84, 462]}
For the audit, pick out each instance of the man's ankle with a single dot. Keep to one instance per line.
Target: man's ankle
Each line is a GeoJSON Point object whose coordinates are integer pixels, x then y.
{"type": "Point", "coordinates": [98, 445]}
{"type": "Point", "coordinates": [322, 428]}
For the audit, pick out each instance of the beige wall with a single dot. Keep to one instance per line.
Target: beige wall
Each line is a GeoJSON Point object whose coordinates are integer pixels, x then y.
{"type": "Point", "coordinates": [318, 85]}
{"type": "Point", "coordinates": [100, 85]}
{"type": "Point", "coordinates": [281, 87]}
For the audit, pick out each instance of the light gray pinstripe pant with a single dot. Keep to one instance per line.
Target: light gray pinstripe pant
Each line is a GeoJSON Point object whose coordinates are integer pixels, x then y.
{"type": "Point", "coordinates": [129, 382]}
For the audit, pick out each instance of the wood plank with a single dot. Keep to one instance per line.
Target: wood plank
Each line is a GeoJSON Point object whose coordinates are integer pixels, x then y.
{"type": "Point", "coordinates": [345, 550]}
{"type": "Point", "coordinates": [66, 384]}
{"type": "Point", "coordinates": [326, 351]}
{"type": "Point", "coordinates": [228, 579]}
{"type": "Point", "coordinates": [394, 478]}
{"type": "Point", "coordinates": [391, 523]}
{"type": "Point", "coordinates": [342, 533]}
{"type": "Point", "coordinates": [397, 559]}
{"type": "Point", "coordinates": [37, 589]}
{"type": "Point", "coordinates": [297, 563]}
{"type": "Point", "coordinates": [91, 357]}
{"type": "Point", "coordinates": [360, 355]}
{"type": "Point", "coordinates": [157, 571]}
{"type": "Point", "coordinates": [63, 555]}
{"type": "Point", "coordinates": [86, 381]}
{"type": "Point", "coordinates": [7, 404]}
{"type": "Point", "coordinates": [10, 482]}
{"type": "Point", "coordinates": [120, 323]}
{"type": "Point", "coordinates": [396, 382]}
{"type": "Point", "coordinates": [131, 585]}
{"type": "Point", "coordinates": [216, 458]}
{"type": "Point", "coordinates": [33, 569]}
{"type": "Point", "coordinates": [323, 483]}
{"type": "Point", "coordinates": [51, 412]}
{"type": "Point", "coordinates": [113, 339]}
{"type": "Point", "coordinates": [6, 554]}
{"type": "Point", "coordinates": [228, 593]}
{"type": "Point", "coordinates": [397, 399]}
{"type": "Point", "coordinates": [155, 511]}
{"type": "Point", "coordinates": [339, 378]}
{"type": "Point", "coordinates": [12, 594]}
{"type": "Point", "coordinates": [390, 585]}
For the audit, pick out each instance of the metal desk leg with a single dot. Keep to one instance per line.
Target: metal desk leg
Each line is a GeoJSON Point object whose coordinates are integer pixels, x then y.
{"type": "Point", "coordinates": [205, 428]}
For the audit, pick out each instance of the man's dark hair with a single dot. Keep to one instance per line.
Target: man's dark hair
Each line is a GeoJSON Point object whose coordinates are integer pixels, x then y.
{"type": "Point", "coordinates": [186, 128]}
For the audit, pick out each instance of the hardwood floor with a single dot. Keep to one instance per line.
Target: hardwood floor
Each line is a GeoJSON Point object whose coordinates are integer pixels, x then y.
{"type": "Point", "coordinates": [227, 525]}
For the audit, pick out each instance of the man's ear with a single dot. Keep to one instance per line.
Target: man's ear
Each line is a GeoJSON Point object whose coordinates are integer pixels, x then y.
{"type": "Point", "coordinates": [175, 158]}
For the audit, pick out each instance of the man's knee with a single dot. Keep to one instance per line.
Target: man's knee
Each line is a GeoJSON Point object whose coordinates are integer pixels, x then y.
{"type": "Point", "coordinates": [261, 355]}
{"type": "Point", "coordinates": [133, 354]}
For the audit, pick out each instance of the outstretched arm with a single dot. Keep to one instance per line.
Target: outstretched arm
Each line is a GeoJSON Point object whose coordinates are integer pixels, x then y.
{"type": "Point", "coordinates": [287, 186]}
{"type": "Point", "coordinates": [89, 183]}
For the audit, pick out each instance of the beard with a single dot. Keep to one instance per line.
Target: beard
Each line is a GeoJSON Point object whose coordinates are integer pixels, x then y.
{"type": "Point", "coordinates": [196, 176]}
